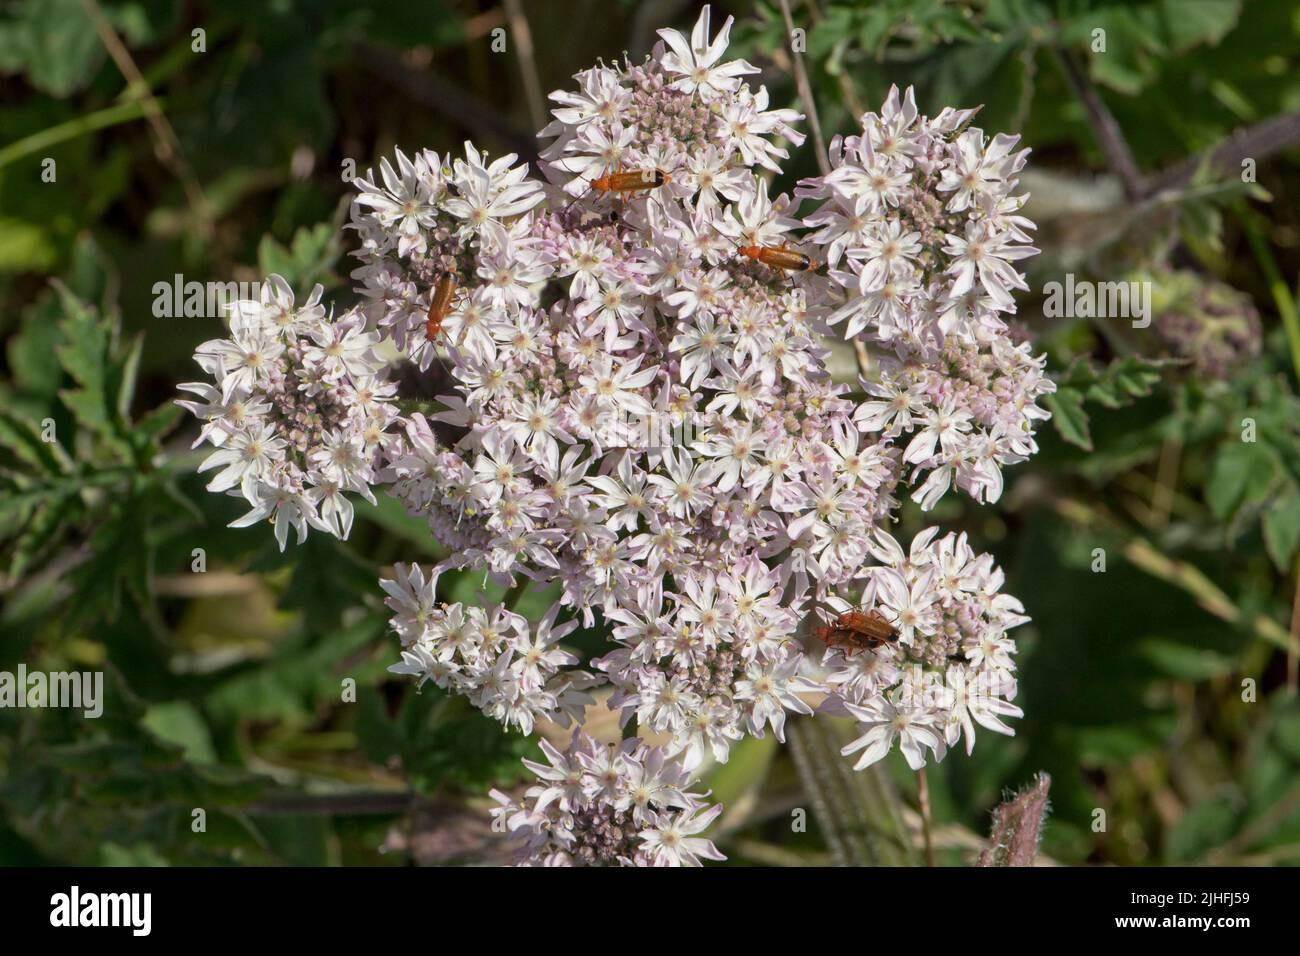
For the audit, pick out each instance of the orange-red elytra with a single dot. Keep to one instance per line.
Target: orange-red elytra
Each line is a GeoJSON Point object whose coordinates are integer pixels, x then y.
{"type": "Point", "coordinates": [779, 257]}
{"type": "Point", "coordinates": [857, 630]}
{"type": "Point", "coordinates": [439, 304]}
{"type": "Point", "coordinates": [629, 182]}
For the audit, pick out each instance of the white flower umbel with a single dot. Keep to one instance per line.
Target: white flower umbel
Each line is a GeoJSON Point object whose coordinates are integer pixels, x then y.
{"type": "Point", "coordinates": [643, 416]}
{"type": "Point", "coordinates": [597, 805]}
{"type": "Point", "coordinates": [299, 411]}
{"type": "Point", "coordinates": [952, 666]}
{"type": "Point", "coordinates": [638, 414]}
{"type": "Point", "coordinates": [920, 224]}
{"type": "Point", "coordinates": [435, 216]}
{"type": "Point", "coordinates": [631, 418]}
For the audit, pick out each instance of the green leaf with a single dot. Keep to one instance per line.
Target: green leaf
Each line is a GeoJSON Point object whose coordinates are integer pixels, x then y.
{"type": "Point", "coordinates": [23, 438]}
{"type": "Point", "coordinates": [1207, 824]}
{"type": "Point", "coordinates": [45, 526]}
{"type": "Point", "coordinates": [179, 722]}
{"type": "Point", "coordinates": [1118, 383]}
{"type": "Point", "coordinates": [328, 579]}
{"type": "Point", "coordinates": [34, 364]}
{"type": "Point", "coordinates": [309, 258]}
{"type": "Point", "coordinates": [1182, 661]}
{"type": "Point", "coordinates": [390, 514]}
{"type": "Point", "coordinates": [54, 42]}
{"type": "Point", "coordinates": [1189, 23]}
{"type": "Point", "coordinates": [141, 854]}
{"type": "Point", "coordinates": [1126, 66]}
{"type": "Point", "coordinates": [130, 371]}
{"type": "Point", "coordinates": [737, 783]}
{"type": "Point", "coordinates": [84, 356]}
{"type": "Point", "coordinates": [1242, 474]}
{"type": "Point", "coordinates": [1068, 416]}
{"type": "Point", "coordinates": [1139, 37]}
{"type": "Point", "coordinates": [157, 424]}
{"type": "Point", "coordinates": [120, 557]}
{"type": "Point", "coordinates": [302, 673]}
{"type": "Point", "coordinates": [1281, 524]}
{"type": "Point", "coordinates": [105, 379]}
{"type": "Point", "coordinates": [1115, 386]}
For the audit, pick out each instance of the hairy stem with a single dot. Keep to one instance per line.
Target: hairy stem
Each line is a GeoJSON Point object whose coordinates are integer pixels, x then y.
{"type": "Point", "coordinates": [923, 798]}
{"type": "Point", "coordinates": [1104, 126]}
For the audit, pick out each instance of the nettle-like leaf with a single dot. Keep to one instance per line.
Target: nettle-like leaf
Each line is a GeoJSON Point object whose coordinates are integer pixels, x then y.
{"type": "Point", "coordinates": [92, 474]}
{"type": "Point", "coordinates": [76, 788]}
{"type": "Point", "coordinates": [40, 489]}
{"type": "Point", "coordinates": [90, 355]}
{"type": "Point", "coordinates": [25, 440]}
{"type": "Point", "coordinates": [1119, 384]}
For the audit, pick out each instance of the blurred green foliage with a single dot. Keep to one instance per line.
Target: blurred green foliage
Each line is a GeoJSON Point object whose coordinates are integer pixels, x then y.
{"type": "Point", "coordinates": [227, 689]}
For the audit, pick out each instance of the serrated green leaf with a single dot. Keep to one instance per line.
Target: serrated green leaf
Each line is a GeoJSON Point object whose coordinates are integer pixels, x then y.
{"type": "Point", "coordinates": [1068, 416]}
{"type": "Point", "coordinates": [179, 723]}
{"type": "Point", "coordinates": [1114, 386]}
{"type": "Point", "coordinates": [84, 356]}
{"type": "Point", "coordinates": [120, 558]}
{"type": "Point", "coordinates": [23, 438]}
{"type": "Point", "coordinates": [1127, 378]}
{"type": "Point", "coordinates": [87, 356]}
{"type": "Point", "coordinates": [42, 529]}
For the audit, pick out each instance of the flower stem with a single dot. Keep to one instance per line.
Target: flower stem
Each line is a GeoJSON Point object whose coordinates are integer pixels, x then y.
{"type": "Point", "coordinates": [923, 797]}
{"type": "Point", "coordinates": [805, 93]}
{"type": "Point", "coordinates": [113, 115]}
